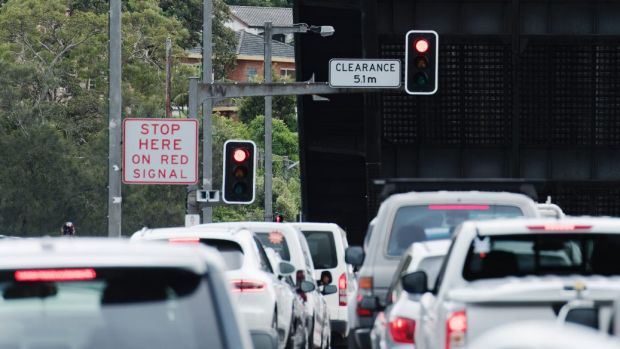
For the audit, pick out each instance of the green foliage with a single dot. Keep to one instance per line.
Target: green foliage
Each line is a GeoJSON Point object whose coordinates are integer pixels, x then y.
{"type": "Point", "coordinates": [282, 107]}
{"type": "Point", "coordinates": [284, 141]}
{"type": "Point", "coordinates": [54, 123]}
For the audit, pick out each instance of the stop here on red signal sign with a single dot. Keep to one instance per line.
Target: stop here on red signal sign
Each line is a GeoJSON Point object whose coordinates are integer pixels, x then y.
{"type": "Point", "coordinates": [160, 151]}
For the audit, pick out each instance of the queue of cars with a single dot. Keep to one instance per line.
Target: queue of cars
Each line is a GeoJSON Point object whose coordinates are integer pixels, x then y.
{"type": "Point", "coordinates": [438, 270]}
{"type": "Point", "coordinates": [509, 273]}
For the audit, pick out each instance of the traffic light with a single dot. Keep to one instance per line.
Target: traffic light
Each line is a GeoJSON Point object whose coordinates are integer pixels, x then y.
{"type": "Point", "coordinates": [239, 175]}
{"type": "Point", "coordinates": [421, 62]}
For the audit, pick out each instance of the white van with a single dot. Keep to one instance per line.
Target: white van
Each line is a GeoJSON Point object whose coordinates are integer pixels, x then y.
{"type": "Point", "coordinates": [327, 242]}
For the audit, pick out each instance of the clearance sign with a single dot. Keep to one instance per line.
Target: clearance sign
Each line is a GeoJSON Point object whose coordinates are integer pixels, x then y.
{"type": "Point", "coordinates": [160, 151]}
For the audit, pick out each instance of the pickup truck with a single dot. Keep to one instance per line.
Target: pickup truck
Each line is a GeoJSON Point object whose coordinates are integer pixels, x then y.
{"type": "Point", "coordinates": [509, 270]}
{"type": "Point", "coordinates": [406, 218]}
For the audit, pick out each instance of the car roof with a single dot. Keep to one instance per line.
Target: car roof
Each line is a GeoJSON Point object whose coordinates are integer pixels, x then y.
{"type": "Point", "coordinates": [101, 252]}
{"type": "Point", "coordinates": [317, 226]}
{"type": "Point", "coordinates": [513, 226]}
{"type": "Point", "coordinates": [251, 225]}
{"type": "Point", "coordinates": [463, 196]}
{"type": "Point", "coordinates": [199, 231]}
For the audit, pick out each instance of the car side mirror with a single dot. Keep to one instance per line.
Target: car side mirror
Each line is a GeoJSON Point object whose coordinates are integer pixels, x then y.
{"type": "Point", "coordinates": [286, 268]}
{"type": "Point", "coordinates": [415, 283]}
{"type": "Point", "coordinates": [329, 289]}
{"type": "Point", "coordinates": [307, 286]}
{"type": "Point", "coordinates": [354, 255]}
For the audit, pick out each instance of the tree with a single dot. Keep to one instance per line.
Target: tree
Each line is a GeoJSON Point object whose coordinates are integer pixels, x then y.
{"type": "Point", "coordinates": [283, 108]}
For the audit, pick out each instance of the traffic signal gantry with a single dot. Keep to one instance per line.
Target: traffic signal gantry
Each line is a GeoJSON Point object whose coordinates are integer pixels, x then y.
{"type": "Point", "coordinates": [421, 62]}
{"type": "Point", "coordinates": [239, 175]}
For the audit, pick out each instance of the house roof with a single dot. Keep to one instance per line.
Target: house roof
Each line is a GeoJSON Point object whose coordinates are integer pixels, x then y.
{"type": "Point", "coordinates": [254, 45]}
{"type": "Point", "coordinates": [255, 16]}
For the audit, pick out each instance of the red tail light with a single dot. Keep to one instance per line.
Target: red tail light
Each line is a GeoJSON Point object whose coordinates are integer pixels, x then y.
{"type": "Point", "coordinates": [245, 286]}
{"type": "Point", "coordinates": [362, 311]}
{"type": "Point", "coordinates": [184, 240]}
{"type": "Point", "coordinates": [55, 275]}
{"type": "Point", "coordinates": [342, 290]}
{"type": "Point", "coordinates": [459, 207]}
{"type": "Point", "coordinates": [456, 329]}
{"type": "Point", "coordinates": [559, 227]}
{"type": "Point", "coordinates": [402, 330]}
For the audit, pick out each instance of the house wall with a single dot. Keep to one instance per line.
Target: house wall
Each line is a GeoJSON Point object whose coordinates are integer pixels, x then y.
{"type": "Point", "coordinates": [240, 71]}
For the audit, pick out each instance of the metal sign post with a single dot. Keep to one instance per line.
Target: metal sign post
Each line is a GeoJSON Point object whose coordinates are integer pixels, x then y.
{"type": "Point", "coordinates": [114, 126]}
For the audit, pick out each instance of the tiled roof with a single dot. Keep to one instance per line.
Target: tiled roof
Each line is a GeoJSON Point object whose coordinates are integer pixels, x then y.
{"type": "Point", "coordinates": [257, 16]}
{"type": "Point", "coordinates": [254, 45]}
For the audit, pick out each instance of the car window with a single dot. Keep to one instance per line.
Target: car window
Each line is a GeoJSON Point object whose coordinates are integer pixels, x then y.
{"type": "Point", "coordinates": [433, 222]}
{"type": "Point", "coordinates": [107, 308]}
{"type": "Point", "coordinates": [543, 254]}
{"type": "Point", "coordinates": [264, 260]}
{"type": "Point", "coordinates": [368, 235]}
{"type": "Point", "coordinates": [431, 266]}
{"type": "Point", "coordinates": [395, 287]}
{"type": "Point", "coordinates": [230, 251]}
{"type": "Point", "coordinates": [305, 250]}
{"type": "Point", "coordinates": [276, 240]}
{"type": "Point", "coordinates": [322, 249]}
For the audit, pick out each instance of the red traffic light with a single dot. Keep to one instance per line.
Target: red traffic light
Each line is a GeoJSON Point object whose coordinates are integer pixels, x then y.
{"type": "Point", "coordinates": [421, 45]}
{"type": "Point", "coordinates": [240, 155]}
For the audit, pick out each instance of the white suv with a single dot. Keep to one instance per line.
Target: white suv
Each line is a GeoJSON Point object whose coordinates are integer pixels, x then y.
{"type": "Point", "coordinates": [292, 247]}
{"type": "Point", "coordinates": [327, 243]}
{"type": "Point", "coordinates": [265, 302]}
{"type": "Point", "coordinates": [109, 293]}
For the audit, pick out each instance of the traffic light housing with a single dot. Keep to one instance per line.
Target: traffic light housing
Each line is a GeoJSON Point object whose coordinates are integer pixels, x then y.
{"type": "Point", "coordinates": [239, 174]}
{"type": "Point", "coordinates": [421, 62]}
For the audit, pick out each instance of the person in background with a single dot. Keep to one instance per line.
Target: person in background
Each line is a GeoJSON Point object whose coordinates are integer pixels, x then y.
{"type": "Point", "coordinates": [68, 229]}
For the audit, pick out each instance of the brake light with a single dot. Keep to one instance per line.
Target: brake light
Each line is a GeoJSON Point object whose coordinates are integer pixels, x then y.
{"type": "Point", "coordinates": [184, 240]}
{"type": "Point", "coordinates": [459, 207]}
{"type": "Point", "coordinates": [246, 286]}
{"type": "Point", "coordinates": [362, 311]}
{"type": "Point", "coordinates": [456, 329]}
{"type": "Point", "coordinates": [559, 227]}
{"type": "Point", "coordinates": [55, 275]}
{"type": "Point", "coordinates": [342, 290]}
{"type": "Point", "coordinates": [402, 330]}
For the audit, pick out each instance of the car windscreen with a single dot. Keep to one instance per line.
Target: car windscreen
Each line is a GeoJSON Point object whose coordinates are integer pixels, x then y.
{"type": "Point", "coordinates": [322, 248]}
{"type": "Point", "coordinates": [106, 308]}
{"type": "Point", "coordinates": [231, 252]}
{"type": "Point", "coordinates": [437, 221]}
{"type": "Point", "coordinates": [277, 241]}
{"type": "Point", "coordinates": [542, 254]}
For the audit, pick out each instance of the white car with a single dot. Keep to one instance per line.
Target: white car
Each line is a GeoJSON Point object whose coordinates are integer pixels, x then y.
{"type": "Point", "coordinates": [292, 247]}
{"type": "Point", "coordinates": [395, 328]}
{"type": "Point", "coordinates": [265, 302]}
{"type": "Point", "coordinates": [544, 335]}
{"type": "Point", "coordinates": [509, 270]}
{"type": "Point", "coordinates": [109, 294]}
{"type": "Point", "coordinates": [327, 243]}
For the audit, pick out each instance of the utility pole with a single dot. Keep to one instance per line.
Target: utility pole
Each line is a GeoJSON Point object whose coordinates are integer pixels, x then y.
{"type": "Point", "coordinates": [207, 106]}
{"type": "Point", "coordinates": [114, 125]}
{"type": "Point", "coordinates": [268, 104]}
{"type": "Point", "coordinates": [168, 77]}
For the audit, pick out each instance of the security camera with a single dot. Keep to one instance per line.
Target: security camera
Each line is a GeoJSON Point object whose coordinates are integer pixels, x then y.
{"type": "Point", "coordinates": [327, 30]}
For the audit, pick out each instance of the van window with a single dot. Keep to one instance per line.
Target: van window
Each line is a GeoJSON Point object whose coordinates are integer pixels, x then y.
{"type": "Point", "coordinates": [322, 248]}
{"type": "Point", "coordinates": [277, 241]}
{"type": "Point", "coordinates": [543, 254]}
{"type": "Point", "coordinates": [107, 308]}
{"type": "Point", "coordinates": [437, 221]}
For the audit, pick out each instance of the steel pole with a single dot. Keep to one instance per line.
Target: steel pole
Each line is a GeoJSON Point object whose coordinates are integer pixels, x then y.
{"type": "Point", "coordinates": [268, 100]}
{"type": "Point", "coordinates": [207, 106]}
{"type": "Point", "coordinates": [168, 77]}
{"type": "Point", "coordinates": [114, 125]}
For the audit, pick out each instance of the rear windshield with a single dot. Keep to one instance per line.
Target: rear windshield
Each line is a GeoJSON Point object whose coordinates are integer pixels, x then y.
{"type": "Point", "coordinates": [108, 308]}
{"type": "Point", "coordinates": [230, 251]}
{"type": "Point", "coordinates": [433, 222]}
{"type": "Point", "coordinates": [322, 248]}
{"type": "Point", "coordinates": [543, 254]}
{"type": "Point", "coordinates": [277, 241]}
